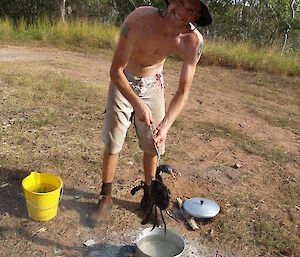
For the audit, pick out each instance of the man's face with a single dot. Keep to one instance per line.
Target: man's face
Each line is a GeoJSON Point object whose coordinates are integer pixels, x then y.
{"type": "Point", "coordinates": [184, 11]}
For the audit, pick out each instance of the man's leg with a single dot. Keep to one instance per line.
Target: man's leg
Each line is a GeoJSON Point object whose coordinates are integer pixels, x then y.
{"type": "Point", "coordinates": [109, 167]}
{"type": "Point", "coordinates": [154, 99]}
{"type": "Point", "coordinates": [105, 200]}
{"type": "Point", "coordinates": [149, 163]}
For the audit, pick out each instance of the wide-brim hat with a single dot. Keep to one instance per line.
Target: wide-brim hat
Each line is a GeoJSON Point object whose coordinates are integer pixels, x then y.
{"type": "Point", "coordinates": [205, 18]}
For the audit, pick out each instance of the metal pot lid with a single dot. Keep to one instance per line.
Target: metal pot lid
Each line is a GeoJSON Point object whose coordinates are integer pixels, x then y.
{"type": "Point", "coordinates": [201, 207]}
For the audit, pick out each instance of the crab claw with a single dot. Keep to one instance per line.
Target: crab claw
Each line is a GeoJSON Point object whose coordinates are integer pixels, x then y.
{"type": "Point", "coordinates": [168, 169]}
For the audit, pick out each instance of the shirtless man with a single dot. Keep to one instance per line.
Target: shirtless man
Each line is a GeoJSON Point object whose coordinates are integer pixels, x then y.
{"type": "Point", "coordinates": [148, 36]}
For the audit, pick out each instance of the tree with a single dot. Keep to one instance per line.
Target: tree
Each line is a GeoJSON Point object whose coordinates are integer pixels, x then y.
{"type": "Point", "coordinates": [264, 22]}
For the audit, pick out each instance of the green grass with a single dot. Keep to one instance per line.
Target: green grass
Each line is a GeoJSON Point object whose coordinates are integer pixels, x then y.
{"type": "Point", "coordinates": [243, 55]}
{"type": "Point", "coordinates": [262, 231]}
{"type": "Point", "coordinates": [32, 91]}
{"type": "Point", "coordinates": [80, 34]}
{"type": "Point", "coordinates": [269, 93]}
{"type": "Point", "coordinates": [94, 35]}
{"type": "Point", "coordinates": [179, 123]}
{"type": "Point", "coordinates": [244, 141]}
{"type": "Point", "coordinates": [278, 118]}
{"type": "Point", "coordinates": [248, 224]}
{"type": "Point", "coordinates": [57, 85]}
{"type": "Point", "coordinates": [47, 111]}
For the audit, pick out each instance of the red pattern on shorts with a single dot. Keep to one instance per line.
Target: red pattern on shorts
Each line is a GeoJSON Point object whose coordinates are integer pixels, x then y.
{"type": "Point", "coordinates": [159, 85]}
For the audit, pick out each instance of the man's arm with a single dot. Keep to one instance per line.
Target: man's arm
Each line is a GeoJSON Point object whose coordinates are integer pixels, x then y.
{"type": "Point", "coordinates": [129, 33]}
{"type": "Point", "coordinates": [179, 100]}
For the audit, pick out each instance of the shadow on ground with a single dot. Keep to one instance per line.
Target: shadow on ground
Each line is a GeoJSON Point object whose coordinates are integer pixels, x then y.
{"type": "Point", "coordinates": [110, 250]}
{"type": "Point", "coordinates": [12, 201]}
{"type": "Point", "coordinates": [84, 203]}
{"type": "Point", "coordinates": [13, 205]}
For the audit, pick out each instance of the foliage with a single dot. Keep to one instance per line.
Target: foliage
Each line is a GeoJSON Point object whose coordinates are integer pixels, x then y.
{"type": "Point", "coordinates": [124, 7]}
{"type": "Point", "coordinates": [263, 22]}
{"type": "Point", "coordinates": [29, 10]}
{"type": "Point", "coordinates": [93, 10]}
{"type": "Point", "coordinates": [96, 35]}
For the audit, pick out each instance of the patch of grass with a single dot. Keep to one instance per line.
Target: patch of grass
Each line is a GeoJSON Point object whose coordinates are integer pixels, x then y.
{"type": "Point", "coordinates": [6, 30]}
{"type": "Point", "coordinates": [290, 193]}
{"type": "Point", "coordinates": [44, 119]}
{"type": "Point", "coordinates": [289, 121]}
{"type": "Point", "coordinates": [179, 123]}
{"type": "Point", "coordinates": [242, 140]}
{"type": "Point", "coordinates": [253, 92]}
{"type": "Point", "coordinates": [47, 99]}
{"type": "Point", "coordinates": [81, 34]}
{"type": "Point", "coordinates": [95, 35]}
{"type": "Point", "coordinates": [49, 86]}
{"type": "Point", "coordinates": [243, 55]}
{"type": "Point", "coordinates": [3, 159]}
{"type": "Point", "coordinates": [273, 237]}
{"type": "Point", "coordinates": [247, 225]}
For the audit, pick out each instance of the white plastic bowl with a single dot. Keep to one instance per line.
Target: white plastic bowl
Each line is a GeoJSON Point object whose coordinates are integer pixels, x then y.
{"type": "Point", "coordinates": [156, 244]}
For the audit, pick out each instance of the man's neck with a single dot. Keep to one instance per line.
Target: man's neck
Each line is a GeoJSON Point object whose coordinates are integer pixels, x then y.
{"type": "Point", "coordinates": [165, 27]}
{"type": "Point", "coordinates": [168, 29]}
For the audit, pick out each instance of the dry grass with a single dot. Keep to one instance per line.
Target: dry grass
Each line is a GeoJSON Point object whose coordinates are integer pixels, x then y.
{"type": "Point", "coordinates": [243, 55]}
{"type": "Point", "coordinates": [79, 35]}
{"type": "Point", "coordinates": [244, 141]}
{"type": "Point", "coordinates": [46, 102]}
{"type": "Point", "coordinates": [53, 121]}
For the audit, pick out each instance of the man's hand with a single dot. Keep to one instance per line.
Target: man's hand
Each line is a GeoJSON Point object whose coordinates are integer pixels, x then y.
{"type": "Point", "coordinates": [160, 134]}
{"type": "Point", "coordinates": [143, 113]}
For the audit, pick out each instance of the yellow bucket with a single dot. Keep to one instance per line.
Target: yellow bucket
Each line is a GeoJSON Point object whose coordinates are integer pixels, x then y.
{"type": "Point", "coordinates": [43, 192]}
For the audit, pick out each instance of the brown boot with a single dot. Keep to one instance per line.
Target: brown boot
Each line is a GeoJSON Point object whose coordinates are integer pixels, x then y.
{"type": "Point", "coordinates": [103, 207]}
{"type": "Point", "coordinates": [146, 202]}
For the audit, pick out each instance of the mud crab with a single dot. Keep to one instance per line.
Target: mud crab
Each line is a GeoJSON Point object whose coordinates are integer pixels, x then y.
{"type": "Point", "coordinates": [159, 194]}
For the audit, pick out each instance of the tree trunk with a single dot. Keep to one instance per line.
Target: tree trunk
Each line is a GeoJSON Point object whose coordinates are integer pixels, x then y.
{"type": "Point", "coordinates": [63, 10]}
{"type": "Point", "coordinates": [289, 26]}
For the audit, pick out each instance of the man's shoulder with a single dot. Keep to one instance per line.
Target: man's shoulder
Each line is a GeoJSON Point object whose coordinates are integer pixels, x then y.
{"type": "Point", "coordinates": [191, 42]}
{"type": "Point", "coordinates": [194, 37]}
{"type": "Point", "coordinates": [146, 9]}
{"type": "Point", "coordinates": [140, 16]}
{"type": "Point", "coordinates": [142, 12]}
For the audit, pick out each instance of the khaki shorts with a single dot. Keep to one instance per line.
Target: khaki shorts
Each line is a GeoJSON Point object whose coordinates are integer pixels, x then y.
{"type": "Point", "coordinates": [119, 112]}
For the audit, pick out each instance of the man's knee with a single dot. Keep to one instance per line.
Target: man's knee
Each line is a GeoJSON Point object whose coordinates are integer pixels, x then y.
{"type": "Point", "coordinates": [112, 149]}
{"type": "Point", "coordinates": [150, 149]}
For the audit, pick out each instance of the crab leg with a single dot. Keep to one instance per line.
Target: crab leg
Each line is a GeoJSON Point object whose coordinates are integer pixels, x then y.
{"type": "Point", "coordinates": [155, 218]}
{"type": "Point", "coordinates": [163, 219]}
{"type": "Point", "coordinates": [148, 216]}
{"type": "Point", "coordinates": [171, 216]}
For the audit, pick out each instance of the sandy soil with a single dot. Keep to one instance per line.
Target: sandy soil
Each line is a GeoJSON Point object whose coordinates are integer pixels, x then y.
{"type": "Point", "coordinates": [232, 117]}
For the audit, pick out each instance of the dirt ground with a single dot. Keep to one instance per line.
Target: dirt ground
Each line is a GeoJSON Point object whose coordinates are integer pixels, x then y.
{"type": "Point", "coordinates": [51, 113]}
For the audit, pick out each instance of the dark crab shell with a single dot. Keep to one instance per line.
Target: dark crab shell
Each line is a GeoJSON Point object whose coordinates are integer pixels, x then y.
{"type": "Point", "coordinates": [159, 194]}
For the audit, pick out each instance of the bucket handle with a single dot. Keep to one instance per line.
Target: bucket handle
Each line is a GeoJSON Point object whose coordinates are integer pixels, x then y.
{"type": "Point", "coordinates": [46, 209]}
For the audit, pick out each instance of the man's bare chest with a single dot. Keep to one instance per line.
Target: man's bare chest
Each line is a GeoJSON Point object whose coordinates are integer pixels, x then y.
{"type": "Point", "coordinates": [155, 46]}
